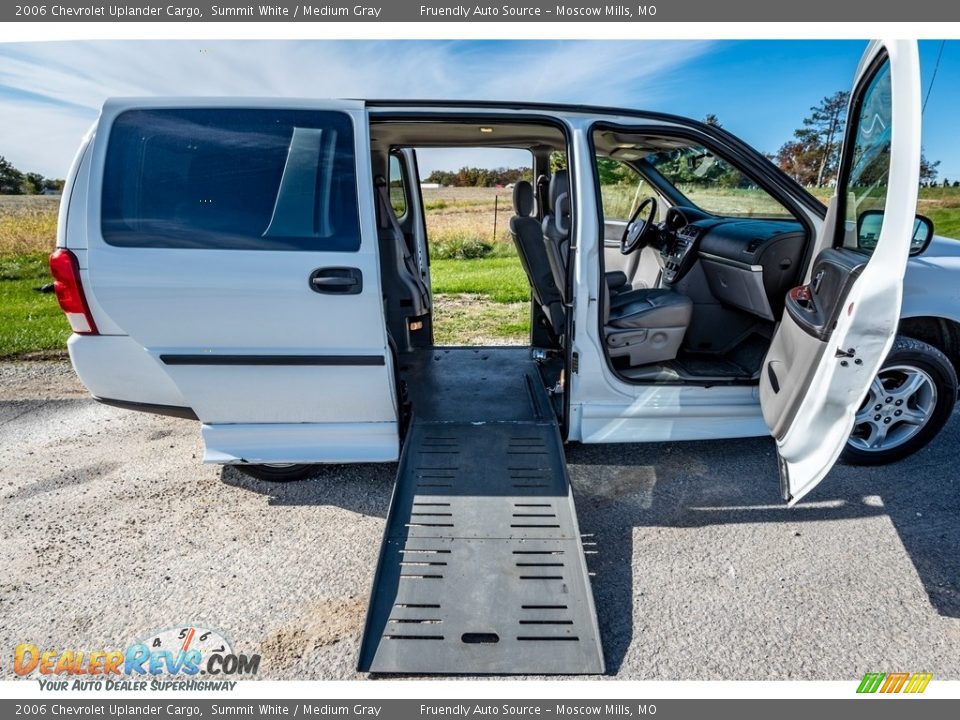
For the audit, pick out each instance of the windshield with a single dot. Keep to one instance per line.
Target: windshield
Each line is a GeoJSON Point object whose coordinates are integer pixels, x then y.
{"type": "Point", "coordinates": [712, 184]}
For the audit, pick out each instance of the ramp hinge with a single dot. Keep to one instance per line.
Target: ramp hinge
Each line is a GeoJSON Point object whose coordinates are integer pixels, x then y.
{"type": "Point", "coordinates": [575, 362]}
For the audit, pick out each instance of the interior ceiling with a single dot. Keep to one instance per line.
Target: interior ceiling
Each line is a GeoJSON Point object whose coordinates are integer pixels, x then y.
{"type": "Point", "coordinates": [460, 134]}
{"type": "Point", "coordinates": [633, 146]}
{"type": "Point", "coordinates": [438, 133]}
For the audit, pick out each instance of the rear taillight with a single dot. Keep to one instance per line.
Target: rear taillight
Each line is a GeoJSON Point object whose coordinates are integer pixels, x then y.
{"type": "Point", "coordinates": [66, 284]}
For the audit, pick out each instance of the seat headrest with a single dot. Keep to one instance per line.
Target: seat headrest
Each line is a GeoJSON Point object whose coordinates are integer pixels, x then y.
{"type": "Point", "coordinates": [556, 225]}
{"type": "Point", "coordinates": [379, 181]}
{"type": "Point", "coordinates": [523, 198]}
{"type": "Point", "coordinates": [559, 186]}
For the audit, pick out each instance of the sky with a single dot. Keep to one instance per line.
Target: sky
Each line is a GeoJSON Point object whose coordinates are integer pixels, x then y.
{"type": "Point", "coordinates": [50, 93]}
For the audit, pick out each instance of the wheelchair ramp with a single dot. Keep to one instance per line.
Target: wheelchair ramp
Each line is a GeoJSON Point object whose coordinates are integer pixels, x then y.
{"type": "Point", "coordinates": [482, 569]}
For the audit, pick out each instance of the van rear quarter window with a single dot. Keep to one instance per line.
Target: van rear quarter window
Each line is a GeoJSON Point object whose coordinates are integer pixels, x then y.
{"type": "Point", "coordinates": [241, 179]}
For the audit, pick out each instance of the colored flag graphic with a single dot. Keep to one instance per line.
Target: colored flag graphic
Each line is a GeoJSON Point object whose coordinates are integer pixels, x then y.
{"type": "Point", "coordinates": [894, 682]}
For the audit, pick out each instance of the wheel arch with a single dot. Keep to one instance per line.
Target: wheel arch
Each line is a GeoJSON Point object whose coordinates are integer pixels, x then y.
{"type": "Point", "coordinates": [942, 333]}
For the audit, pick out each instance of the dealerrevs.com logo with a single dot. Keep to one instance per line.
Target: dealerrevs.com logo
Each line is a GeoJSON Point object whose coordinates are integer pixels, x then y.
{"type": "Point", "coordinates": [172, 659]}
{"type": "Point", "coordinates": [890, 683]}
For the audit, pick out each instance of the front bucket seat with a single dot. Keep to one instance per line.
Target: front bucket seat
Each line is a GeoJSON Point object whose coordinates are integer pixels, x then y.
{"type": "Point", "coordinates": [649, 328]}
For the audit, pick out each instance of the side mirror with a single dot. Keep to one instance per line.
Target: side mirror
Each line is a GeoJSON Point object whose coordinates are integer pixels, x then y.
{"type": "Point", "coordinates": [870, 222]}
{"type": "Point", "coordinates": [922, 234]}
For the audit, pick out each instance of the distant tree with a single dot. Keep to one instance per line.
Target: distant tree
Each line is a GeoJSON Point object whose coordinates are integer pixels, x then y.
{"type": "Point", "coordinates": [823, 128]}
{"type": "Point", "coordinates": [613, 172]}
{"type": "Point", "coordinates": [54, 184]}
{"type": "Point", "coordinates": [712, 120]}
{"type": "Point", "coordinates": [33, 183]}
{"type": "Point", "coordinates": [799, 159]}
{"type": "Point", "coordinates": [928, 170]}
{"type": "Point", "coordinates": [11, 179]}
{"type": "Point", "coordinates": [441, 177]}
{"type": "Point", "coordinates": [813, 156]}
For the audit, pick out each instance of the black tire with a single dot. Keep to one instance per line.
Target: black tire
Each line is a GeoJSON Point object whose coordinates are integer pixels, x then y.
{"type": "Point", "coordinates": [907, 352]}
{"type": "Point", "coordinates": [277, 473]}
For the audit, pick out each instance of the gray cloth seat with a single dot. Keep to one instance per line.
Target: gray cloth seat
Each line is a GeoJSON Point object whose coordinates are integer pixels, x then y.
{"type": "Point", "coordinates": [528, 239]}
{"type": "Point", "coordinates": [646, 325]}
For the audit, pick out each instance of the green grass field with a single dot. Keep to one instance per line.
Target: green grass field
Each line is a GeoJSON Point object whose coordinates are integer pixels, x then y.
{"type": "Point", "coordinates": [480, 289]}
{"type": "Point", "coordinates": [499, 279]}
{"type": "Point", "coordinates": [30, 321]}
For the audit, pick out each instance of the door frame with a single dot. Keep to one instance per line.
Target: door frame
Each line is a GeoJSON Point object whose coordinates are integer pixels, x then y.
{"type": "Point", "coordinates": [752, 164]}
{"type": "Point", "coordinates": [466, 112]}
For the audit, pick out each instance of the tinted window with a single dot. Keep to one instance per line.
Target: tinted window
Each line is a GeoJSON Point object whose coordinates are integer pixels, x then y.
{"type": "Point", "coordinates": [231, 179]}
{"type": "Point", "coordinates": [863, 193]}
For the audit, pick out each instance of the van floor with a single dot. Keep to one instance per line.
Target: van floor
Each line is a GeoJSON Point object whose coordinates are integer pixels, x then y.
{"type": "Point", "coordinates": [742, 363]}
{"type": "Point", "coordinates": [482, 569]}
{"type": "Point", "coordinates": [472, 384]}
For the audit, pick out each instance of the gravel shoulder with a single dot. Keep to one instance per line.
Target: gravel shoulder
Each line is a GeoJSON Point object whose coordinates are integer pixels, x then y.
{"type": "Point", "coordinates": [112, 528]}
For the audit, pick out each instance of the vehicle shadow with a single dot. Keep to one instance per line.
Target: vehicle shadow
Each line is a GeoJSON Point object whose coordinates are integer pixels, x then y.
{"type": "Point", "coordinates": [689, 485]}
{"type": "Point", "coordinates": [362, 488]}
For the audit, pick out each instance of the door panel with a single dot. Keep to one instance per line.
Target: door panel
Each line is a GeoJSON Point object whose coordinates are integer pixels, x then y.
{"type": "Point", "coordinates": [642, 268]}
{"type": "Point", "coordinates": [237, 247]}
{"type": "Point", "coordinates": [837, 329]}
{"type": "Point", "coordinates": [613, 259]}
{"type": "Point", "coordinates": [816, 307]}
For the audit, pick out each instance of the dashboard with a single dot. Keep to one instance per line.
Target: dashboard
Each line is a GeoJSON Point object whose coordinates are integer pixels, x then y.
{"type": "Point", "coordinates": [748, 263]}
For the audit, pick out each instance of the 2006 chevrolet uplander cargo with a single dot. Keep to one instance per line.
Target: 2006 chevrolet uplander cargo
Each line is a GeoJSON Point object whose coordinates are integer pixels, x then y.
{"type": "Point", "coordinates": [263, 266]}
{"type": "Point", "coordinates": [240, 261]}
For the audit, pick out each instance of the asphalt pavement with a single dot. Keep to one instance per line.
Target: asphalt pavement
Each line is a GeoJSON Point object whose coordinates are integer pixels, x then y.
{"type": "Point", "coordinates": [111, 529]}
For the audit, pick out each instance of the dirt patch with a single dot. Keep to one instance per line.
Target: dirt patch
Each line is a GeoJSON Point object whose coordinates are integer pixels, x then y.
{"type": "Point", "coordinates": [326, 623]}
{"type": "Point", "coordinates": [32, 380]}
{"type": "Point", "coordinates": [470, 319]}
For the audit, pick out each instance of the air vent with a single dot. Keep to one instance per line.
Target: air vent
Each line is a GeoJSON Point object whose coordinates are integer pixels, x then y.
{"type": "Point", "coordinates": [754, 245]}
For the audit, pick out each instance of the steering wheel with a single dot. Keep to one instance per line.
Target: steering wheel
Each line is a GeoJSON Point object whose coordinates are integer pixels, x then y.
{"type": "Point", "coordinates": [639, 232]}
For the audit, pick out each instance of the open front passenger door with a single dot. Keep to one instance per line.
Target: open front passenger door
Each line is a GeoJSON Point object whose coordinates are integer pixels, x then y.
{"type": "Point", "coordinates": [838, 327]}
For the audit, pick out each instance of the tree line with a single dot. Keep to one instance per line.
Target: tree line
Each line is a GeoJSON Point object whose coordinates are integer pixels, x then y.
{"type": "Point", "coordinates": [479, 177]}
{"type": "Point", "coordinates": [15, 182]}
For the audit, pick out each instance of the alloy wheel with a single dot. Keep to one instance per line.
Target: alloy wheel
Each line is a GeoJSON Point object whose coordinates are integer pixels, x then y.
{"type": "Point", "coordinates": [899, 404]}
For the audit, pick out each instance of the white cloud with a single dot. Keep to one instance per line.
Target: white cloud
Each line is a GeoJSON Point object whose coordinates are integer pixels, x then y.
{"type": "Point", "coordinates": [50, 92]}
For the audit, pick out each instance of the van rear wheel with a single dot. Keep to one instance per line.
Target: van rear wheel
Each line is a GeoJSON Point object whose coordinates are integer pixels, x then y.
{"type": "Point", "coordinates": [277, 472]}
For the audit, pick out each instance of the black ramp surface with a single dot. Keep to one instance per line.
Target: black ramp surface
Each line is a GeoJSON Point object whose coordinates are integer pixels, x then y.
{"type": "Point", "coordinates": [482, 569]}
{"type": "Point", "coordinates": [474, 385]}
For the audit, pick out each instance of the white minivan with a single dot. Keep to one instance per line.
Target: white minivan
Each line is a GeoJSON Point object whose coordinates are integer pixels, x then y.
{"type": "Point", "coordinates": [247, 263]}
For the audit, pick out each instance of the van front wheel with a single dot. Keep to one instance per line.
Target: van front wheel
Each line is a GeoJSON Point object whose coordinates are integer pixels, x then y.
{"type": "Point", "coordinates": [278, 472]}
{"type": "Point", "coordinates": [909, 402]}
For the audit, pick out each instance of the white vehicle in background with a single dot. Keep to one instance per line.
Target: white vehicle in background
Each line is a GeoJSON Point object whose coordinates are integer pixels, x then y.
{"type": "Point", "coordinates": [239, 261]}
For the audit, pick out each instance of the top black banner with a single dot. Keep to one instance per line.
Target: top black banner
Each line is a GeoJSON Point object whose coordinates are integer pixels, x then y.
{"type": "Point", "coordinates": [515, 11]}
